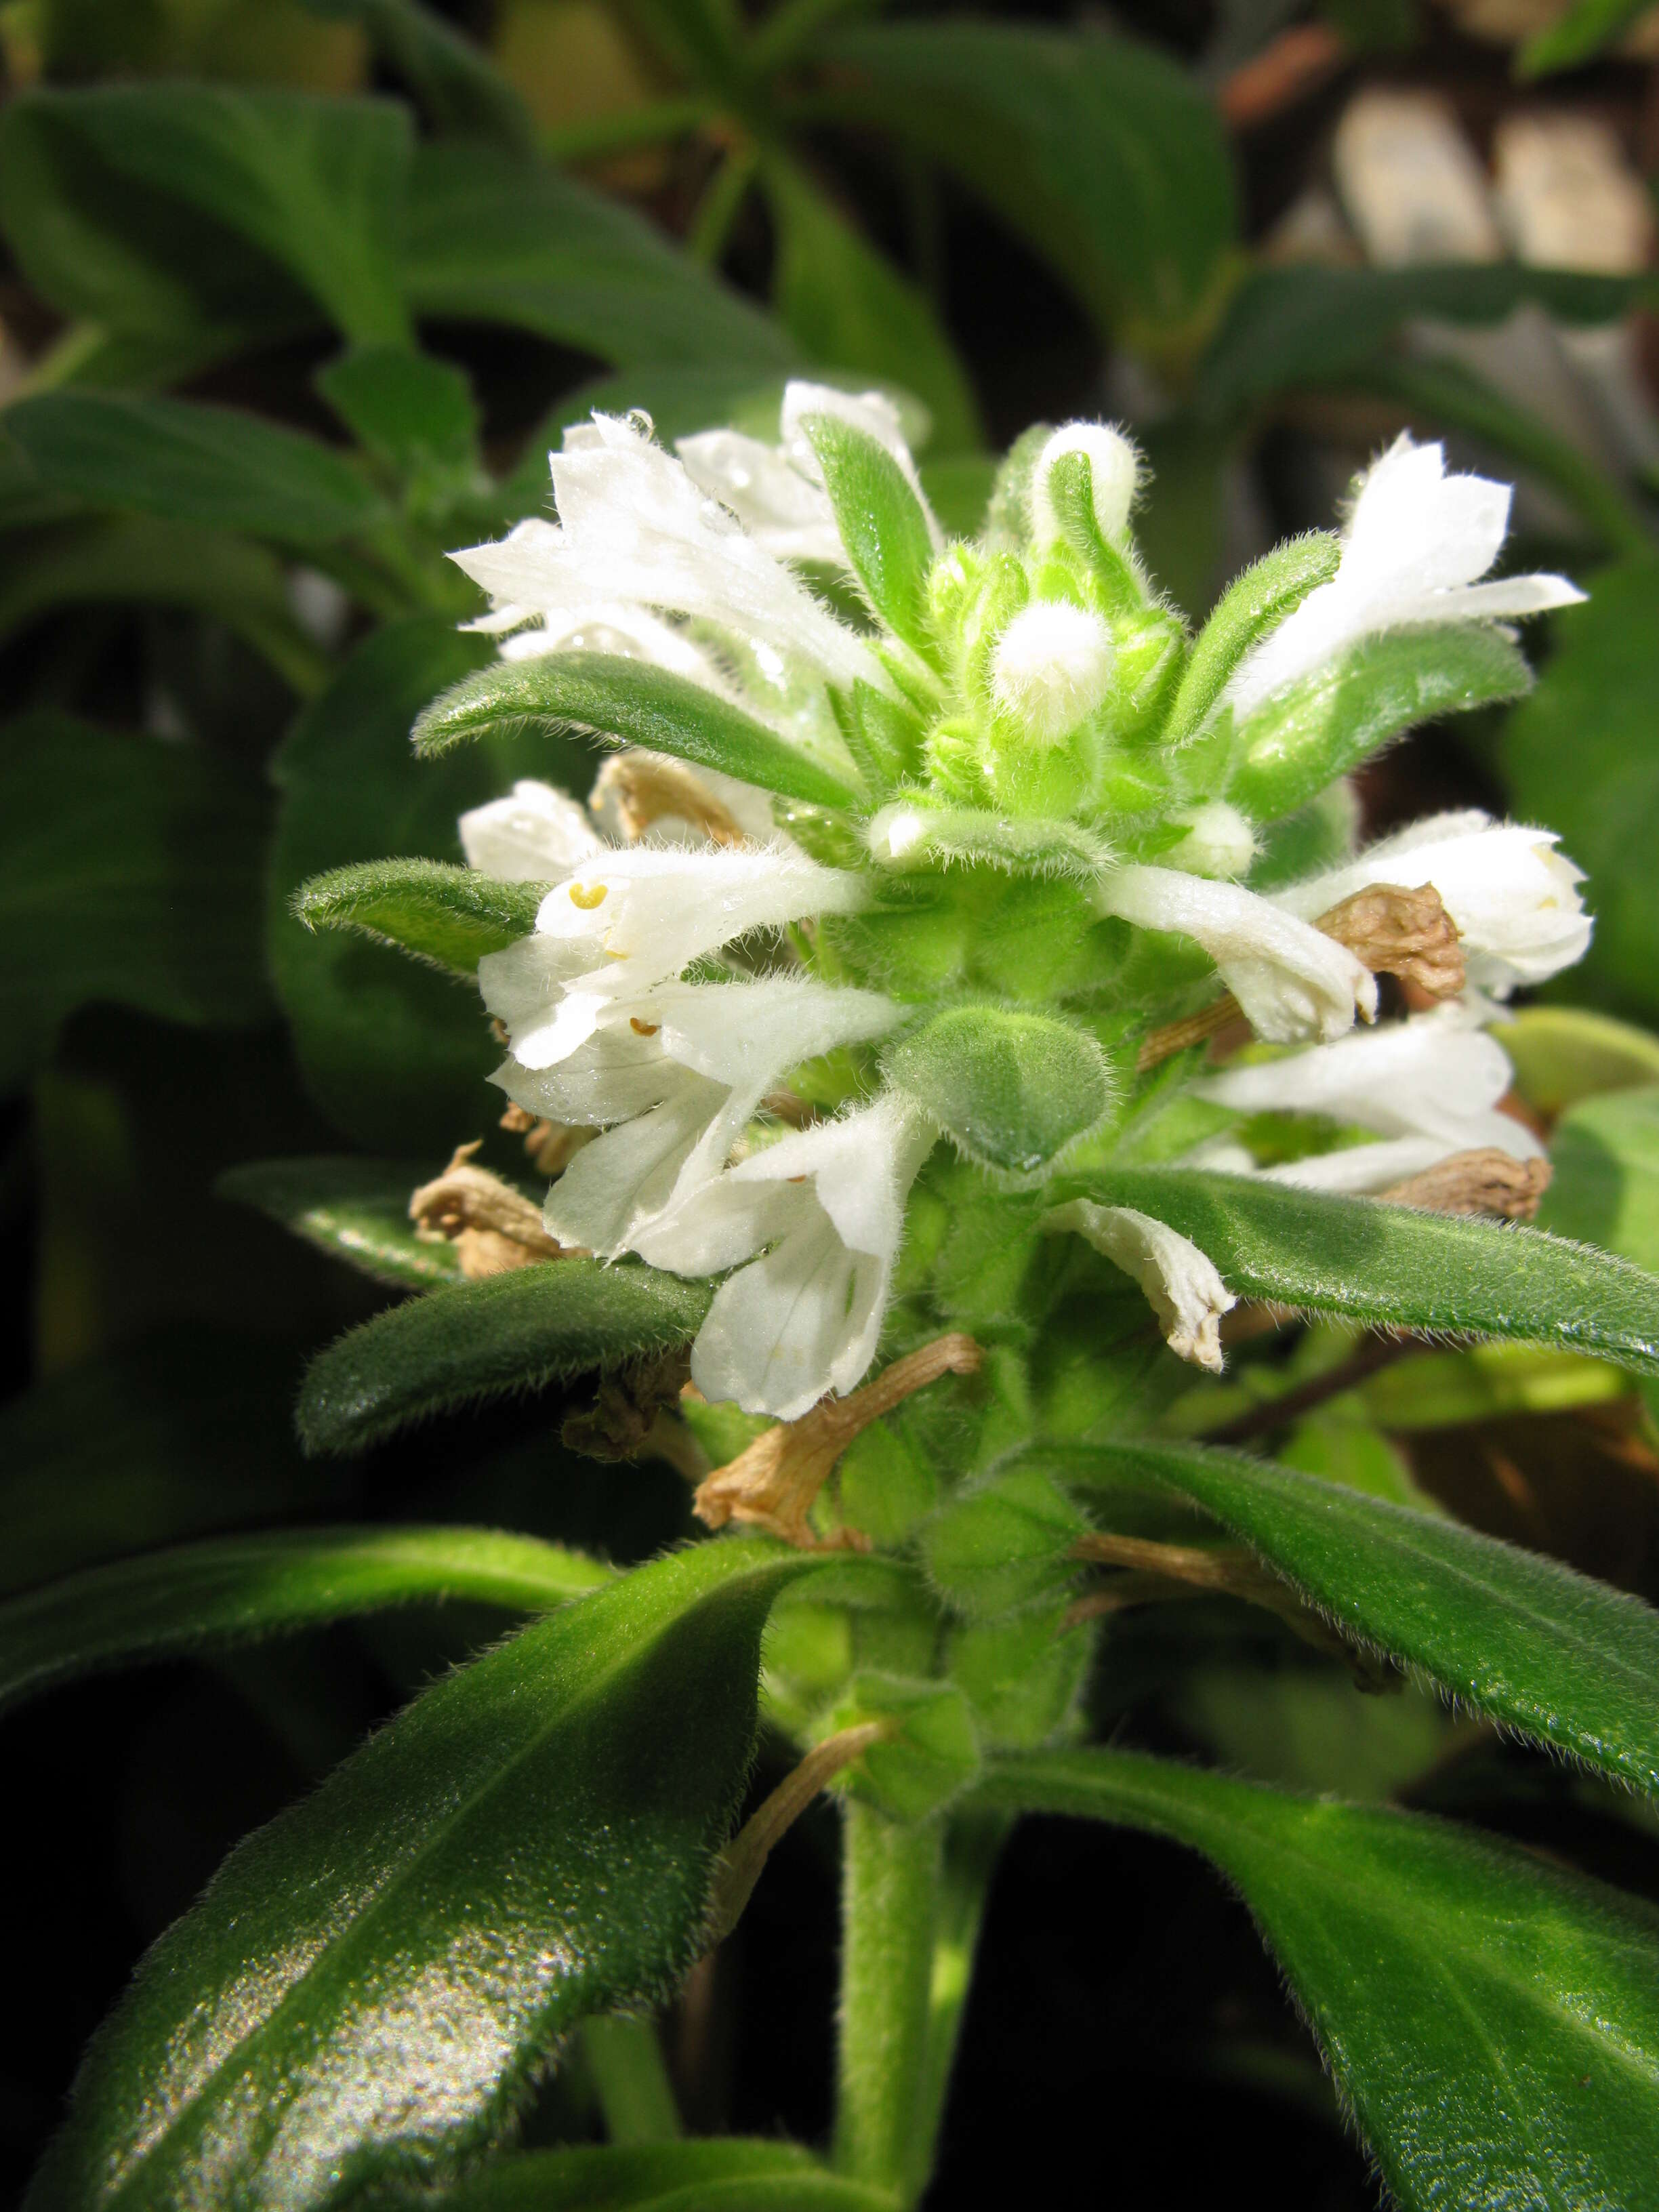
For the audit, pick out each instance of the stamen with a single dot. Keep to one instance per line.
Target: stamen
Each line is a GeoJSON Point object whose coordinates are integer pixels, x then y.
{"type": "Point", "coordinates": [587, 899]}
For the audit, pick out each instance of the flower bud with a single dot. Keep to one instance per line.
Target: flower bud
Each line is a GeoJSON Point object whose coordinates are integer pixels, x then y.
{"type": "Point", "coordinates": [1113, 472]}
{"type": "Point", "coordinates": [1052, 668]}
{"type": "Point", "coordinates": [1219, 842]}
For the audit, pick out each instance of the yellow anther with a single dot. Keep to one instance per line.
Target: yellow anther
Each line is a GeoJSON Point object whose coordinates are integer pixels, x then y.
{"type": "Point", "coordinates": [642, 1029]}
{"type": "Point", "coordinates": [587, 898]}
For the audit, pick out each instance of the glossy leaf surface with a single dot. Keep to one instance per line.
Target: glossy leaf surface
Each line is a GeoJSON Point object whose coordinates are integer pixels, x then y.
{"type": "Point", "coordinates": [608, 696]}
{"type": "Point", "coordinates": [131, 875]}
{"type": "Point", "coordinates": [1400, 1268]}
{"type": "Point", "coordinates": [239, 1587]}
{"type": "Point", "coordinates": [515, 1332]}
{"type": "Point", "coordinates": [1509, 1633]}
{"type": "Point", "coordinates": [881, 523]}
{"type": "Point", "coordinates": [367, 1987]}
{"type": "Point", "coordinates": [1492, 2019]}
{"type": "Point", "coordinates": [354, 1209]}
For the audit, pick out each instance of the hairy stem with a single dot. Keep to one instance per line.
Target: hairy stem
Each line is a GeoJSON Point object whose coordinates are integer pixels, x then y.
{"type": "Point", "coordinates": [973, 1844]}
{"type": "Point", "coordinates": [635, 2096]}
{"type": "Point", "coordinates": [890, 1904]}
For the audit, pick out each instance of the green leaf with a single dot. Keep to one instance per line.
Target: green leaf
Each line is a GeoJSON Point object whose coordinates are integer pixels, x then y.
{"type": "Point", "coordinates": [1261, 599]}
{"type": "Point", "coordinates": [453, 80]}
{"type": "Point", "coordinates": [139, 1610]}
{"type": "Point", "coordinates": [416, 414]}
{"type": "Point", "coordinates": [1010, 1090]}
{"type": "Point", "coordinates": [882, 524]}
{"type": "Point", "coordinates": [354, 1210]}
{"type": "Point", "coordinates": [516, 1332]}
{"type": "Point", "coordinates": [932, 1755]}
{"type": "Point", "coordinates": [1577, 36]}
{"type": "Point", "coordinates": [493, 240]}
{"type": "Point", "coordinates": [132, 876]}
{"type": "Point", "coordinates": [1543, 1649]}
{"type": "Point", "coordinates": [847, 308]}
{"type": "Point", "coordinates": [1397, 1268]}
{"type": "Point", "coordinates": [127, 203]}
{"type": "Point", "coordinates": [1562, 1054]}
{"type": "Point", "coordinates": [1002, 1543]}
{"type": "Point", "coordinates": [187, 463]}
{"type": "Point", "coordinates": [1605, 1152]}
{"type": "Point", "coordinates": [1329, 723]}
{"type": "Point", "coordinates": [1101, 152]}
{"type": "Point", "coordinates": [451, 916]}
{"type": "Point", "coordinates": [1579, 755]}
{"type": "Point", "coordinates": [607, 695]}
{"type": "Point", "coordinates": [398, 1054]}
{"type": "Point", "coordinates": [1492, 2019]}
{"type": "Point", "coordinates": [131, 1449]}
{"type": "Point", "coordinates": [136, 560]}
{"type": "Point", "coordinates": [720, 2174]}
{"type": "Point", "coordinates": [562, 1797]}
{"type": "Point", "coordinates": [1291, 327]}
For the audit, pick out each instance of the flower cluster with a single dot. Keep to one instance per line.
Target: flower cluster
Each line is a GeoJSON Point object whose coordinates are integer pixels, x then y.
{"type": "Point", "coordinates": [1031, 858]}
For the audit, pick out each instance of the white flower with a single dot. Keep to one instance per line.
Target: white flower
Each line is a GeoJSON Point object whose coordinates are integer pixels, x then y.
{"type": "Point", "coordinates": [536, 836]}
{"type": "Point", "coordinates": [682, 1075]}
{"type": "Point", "coordinates": [625, 921]}
{"type": "Point", "coordinates": [1428, 1086]}
{"type": "Point", "coordinates": [777, 492]}
{"type": "Point", "coordinates": [1219, 842]}
{"type": "Point", "coordinates": [634, 530]}
{"type": "Point", "coordinates": [1514, 899]}
{"type": "Point", "coordinates": [1052, 667]}
{"type": "Point", "coordinates": [1181, 1282]}
{"type": "Point", "coordinates": [825, 1207]}
{"type": "Point", "coordinates": [1291, 981]}
{"type": "Point", "coordinates": [1115, 470]}
{"type": "Point", "coordinates": [1414, 546]}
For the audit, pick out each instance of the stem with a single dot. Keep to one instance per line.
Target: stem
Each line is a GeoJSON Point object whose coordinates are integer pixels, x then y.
{"type": "Point", "coordinates": [721, 205]}
{"type": "Point", "coordinates": [972, 1847]}
{"type": "Point", "coordinates": [630, 2080]}
{"type": "Point", "coordinates": [890, 1893]}
{"type": "Point", "coordinates": [629, 128]}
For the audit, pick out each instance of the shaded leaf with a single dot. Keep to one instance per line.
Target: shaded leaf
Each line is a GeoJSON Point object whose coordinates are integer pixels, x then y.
{"type": "Point", "coordinates": [849, 308]}
{"type": "Point", "coordinates": [1398, 1268]}
{"type": "Point", "coordinates": [1099, 151]}
{"type": "Point", "coordinates": [451, 916]}
{"type": "Point", "coordinates": [516, 1332]}
{"type": "Point", "coordinates": [1010, 1090]}
{"type": "Point", "coordinates": [132, 876]}
{"type": "Point", "coordinates": [1493, 2021]}
{"type": "Point", "coordinates": [498, 241]}
{"type": "Point", "coordinates": [1605, 1152]}
{"type": "Point", "coordinates": [1513, 1634]}
{"type": "Point", "coordinates": [607, 694]}
{"type": "Point", "coordinates": [454, 82]}
{"type": "Point", "coordinates": [1308, 325]}
{"type": "Point", "coordinates": [414, 413]}
{"type": "Point", "coordinates": [721, 2174]}
{"type": "Point", "coordinates": [399, 1055]}
{"type": "Point", "coordinates": [187, 463]}
{"type": "Point", "coordinates": [1563, 1054]}
{"type": "Point", "coordinates": [1576, 35]}
{"type": "Point", "coordinates": [354, 1209]}
{"type": "Point", "coordinates": [533, 1839]}
{"type": "Point", "coordinates": [1579, 755]}
{"type": "Point", "coordinates": [211, 1593]}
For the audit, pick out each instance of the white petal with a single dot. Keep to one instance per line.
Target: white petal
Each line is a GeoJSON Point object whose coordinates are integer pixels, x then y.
{"type": "Point", "coordinates": [624, 1177]}
{"type": "Point", "coordinates": [804, 1320]}
{"type": "Point", "coordinates": [872, 412]}
{"type": "Point", "coordinates": [1053, 667]}
{"type": "Point", "coordinates": [1180, 1282]}
{"type": "Point", "coordinates": [1291, 982]}
{"type": "Point", "coordinates": [1515, 900]}
{"type": "Point", "coordinates": [535, 836]}
{"type": "Point", "coordinates": [1115, 468]}
{"type": "Point", "coordinates": [779, 507]}
{"type": "Point", "coordinates": [1360, 1171]}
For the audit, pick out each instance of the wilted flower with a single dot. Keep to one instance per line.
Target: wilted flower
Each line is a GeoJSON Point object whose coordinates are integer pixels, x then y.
{"type": "Point", "coordinates": [988, 862]}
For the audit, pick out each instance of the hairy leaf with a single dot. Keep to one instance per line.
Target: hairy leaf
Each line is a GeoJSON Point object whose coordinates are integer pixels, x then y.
{"type": "Point", "coordinates": [1511, 1633]}
{"type": "Point", "coordinates": [1328, 723]}
{"type": "Point", "coordinates": [1492, 2019]}
{"type": "Point", "coordinates": [370, 1984]}
{"type": "Point", "coordinates": [1398, 1268]}
{"type": "Point", "coordinates": [719, 2174]}
{"type": "Point", "coordinates": [609, 695]}
{"type": "Point", "coordinates": [881, 522]}
{"type": "Point", "coordinates": [449, 915]}
{"type": "Point", "coordinates": [354, 1209]}
{"type": "Point", "coordinates": [1268, 592]}
{"type": "Point", "coordinates": [238, 1587]}
{"type": "Point", "coordinates": [515, 1332]}
{"type": "Point", "coordinates": [1012, 1089]}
